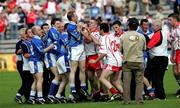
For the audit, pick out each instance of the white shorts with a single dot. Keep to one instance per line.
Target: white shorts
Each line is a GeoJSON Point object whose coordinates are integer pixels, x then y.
{"type": "Point", "coordinates": [36, 67]}
{"type": "Point", "coordinates": [50, 60]}
{"type": "Point", "coordinates": [77, 53]}
{"type": "Point", "coordinates": [63, 65]}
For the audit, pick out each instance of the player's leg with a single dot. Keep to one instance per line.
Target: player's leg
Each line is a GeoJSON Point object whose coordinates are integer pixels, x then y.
{"type": "Point", "coordinates": [74, 65]}
{"type": "Point", "coordinates": [55, 82]}
{"type": "Point", "coordinates": [64, 82]}
{"type": "Point", "coordinates": [39, 84]}
{"type": "Point", "coordinates": [115, 79]}
{"type": "Point", "coordinates": [149, 87]}
{"type": "Point", "coordinates": [33, 68]}
{"type": "Point", "coordinates": [82, 75]}
{"type": "Point", "coordinates": [103, 78]}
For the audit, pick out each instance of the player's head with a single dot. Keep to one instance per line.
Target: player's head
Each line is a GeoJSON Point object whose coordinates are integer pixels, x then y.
{"type": "Point", "coordinates": [173, 19]}
{"type": "Point", "coordinates": [117, 26]}
{"type": "Point", "coordinates": [72, 16]}
{"type": "Point", "coordinates": [144, 25]}
{"type": "Point", "coordinates": [133, 23]}
{"type": "Point", "coordinates": [93, 23]}
{"type": "Point", "coordinates": [104, 28]}
{"type": "Point", "coordinates": [61, 27]}
{"type": "Point", "coordinates": [36, 30]}
{"type": "Point", "coordinates": [45, 27]}
{"type": "Point", "coordinates": [55, 22]}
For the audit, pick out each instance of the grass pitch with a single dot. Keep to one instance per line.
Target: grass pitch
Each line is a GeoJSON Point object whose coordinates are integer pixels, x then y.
{"type": "Point", "coordinates": [10, 82]}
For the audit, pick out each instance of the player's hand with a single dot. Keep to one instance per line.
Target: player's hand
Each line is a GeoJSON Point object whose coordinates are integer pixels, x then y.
{"type": "Point", "coordinates": [92, 61]}
{"type": "Point", "coordinates": [51, 46]}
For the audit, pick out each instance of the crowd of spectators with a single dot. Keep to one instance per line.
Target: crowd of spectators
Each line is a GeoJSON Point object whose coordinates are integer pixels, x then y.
{"type": "Point", "coordinates": [16, 14]}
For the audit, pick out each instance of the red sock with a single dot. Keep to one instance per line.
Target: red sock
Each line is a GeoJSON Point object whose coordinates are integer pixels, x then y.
{"type": "Point", "coordinates": [96, 93]}
{"type": "Point", "coordinates": [113, 91]}
{"type": "Point", "coordinates": [101, 90]}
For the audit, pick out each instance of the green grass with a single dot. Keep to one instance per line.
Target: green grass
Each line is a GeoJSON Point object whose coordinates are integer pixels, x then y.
{"type": "Point", "coordinates": [10, 82]}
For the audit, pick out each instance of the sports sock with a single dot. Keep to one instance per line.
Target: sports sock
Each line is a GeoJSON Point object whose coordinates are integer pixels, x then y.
{"type": "Point", "coordinates": [177, 79]}
{"type": "Point", "coordinates": [53, 87]}
{"type": "Point", "coordinates": [113, 91]}
{"type": "Point", "coordinates": [72, 88]}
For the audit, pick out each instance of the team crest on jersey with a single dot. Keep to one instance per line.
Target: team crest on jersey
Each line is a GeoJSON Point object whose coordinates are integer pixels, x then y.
{"type": "Point", "coordinates": [133, 38]}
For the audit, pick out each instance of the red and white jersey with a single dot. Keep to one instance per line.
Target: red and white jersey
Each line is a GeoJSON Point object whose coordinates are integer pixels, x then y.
{"type": "Point", "coordinates": [110, 47]}
{"type": "Point", "coordinates": [175, 37]}
{"type": "Point", "coordinates": [91, 48]}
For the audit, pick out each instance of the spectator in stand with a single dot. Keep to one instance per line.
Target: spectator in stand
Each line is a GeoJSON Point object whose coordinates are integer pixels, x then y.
{"type": "Point", "coordinates": [143, 5]}
{"type": "Point", "coordinates": [64, 16]}
{"type": "Point", "coordinates": [132, 6]}
{"type": "Point", "coordinates": [159, 14]}
{"type": "Point", "coordinates": [13, 19]}
{"type": "Point", "coordinates": [31, 18]}
{"type": "Point", "coordinates": [22, 16]}
{"type": "Point", "coordinates": [51, 8]}
{"type": "Point", "coordinates": [25, 5]}
{"type": "Point", "coordinates": [119, 6]}
{"type": "Point", "coordinates": [95, 11]}
{"type": "Point", "coordinates": [80, 11]}
{"type": "Point", "coordinates": [176, 6]}
{"type": "Point", "coordinates": [40, 19]}
{"type": "Point", "coordinates": [155, 3]}
{"type": "Point", "coordinates": [65, 4]}
{"type": "Point", "coordinates": [2, 26]}
{"type": "Point", "coordinates": [48, 21]}
{"type": "Point", "coordinates": [109, 11]}
{"type": "Point", "coordinates": [35, 5]}
{"type": "Point", "coordinates": [11, 4]}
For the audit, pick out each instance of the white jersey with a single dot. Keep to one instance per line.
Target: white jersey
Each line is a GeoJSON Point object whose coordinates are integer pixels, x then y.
{"type": "Point", "coordinates": [110, 47]}
{"type": "Point", "coordinates": [26, 66]}
{"type": "Point", "coordinates": [175, 38]}
{"type": "Point", "coordinates": [91, 48]}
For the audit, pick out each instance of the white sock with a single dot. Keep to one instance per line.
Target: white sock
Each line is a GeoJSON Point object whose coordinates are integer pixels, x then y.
{"type": "Point", "coordinates": [58, 95]}
{"type": "Point", "coordinates": [32, 94]}
{"type": "Point", "coordinates": [39, 94]}
{"type": "Point", "coordinates": [83, 84]}
{"type": "Point", "coordinates": [55, 82]}
{"type": "Point", "coordinates": [148, 88]}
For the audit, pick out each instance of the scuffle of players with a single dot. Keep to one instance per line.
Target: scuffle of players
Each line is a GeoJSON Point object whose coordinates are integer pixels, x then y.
{"type": "Point", "coordinates": [50, 58]}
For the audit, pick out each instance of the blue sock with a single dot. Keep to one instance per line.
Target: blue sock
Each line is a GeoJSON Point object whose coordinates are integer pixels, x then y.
{"type": "Point", "coordinates": [84, 87]}
{"type": "Point", "coordinates": [53, 88]}
{"type": "Point", "coordinates": [63, 93]}
{"type": "Point", "coordinates": [72, 88]}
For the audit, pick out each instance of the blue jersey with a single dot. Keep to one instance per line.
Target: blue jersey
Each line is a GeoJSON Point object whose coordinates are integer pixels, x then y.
{"type": "Point", "coordinates": [75, 37]}
{"type": "Point", "coordinates": [62, 45]}
{"type": "Point", "coordinates": [51, 37]}
{"type": "Point", "coordinates": [36, 49]}
{"type": "Point", "coordinates": [139, 30]}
